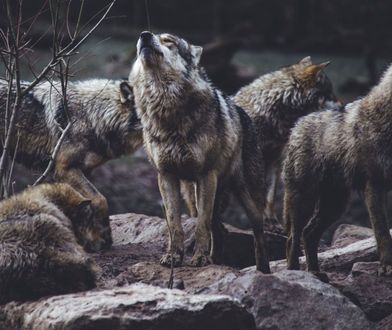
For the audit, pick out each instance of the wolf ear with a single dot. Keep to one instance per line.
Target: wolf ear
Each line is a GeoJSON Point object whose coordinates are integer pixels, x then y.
{"type": "Point", "coordinates": [126, 92]}
{"type": "Point", "coordinates": [324, 64]}
{"type": "Point", "coordinates": [313, 70]}
{"type": "Point", "coordinates": [306, 60]}
{"type": "Point", "coordinates": [84, 203]}
{"type": "Point", "coordinates": [196, 53]}
{"type": "Point", "coordinates": [83, 208]}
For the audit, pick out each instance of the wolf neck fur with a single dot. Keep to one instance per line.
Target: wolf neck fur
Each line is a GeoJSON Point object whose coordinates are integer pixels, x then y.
{"type": "Point", "coordinates": [163, 97]}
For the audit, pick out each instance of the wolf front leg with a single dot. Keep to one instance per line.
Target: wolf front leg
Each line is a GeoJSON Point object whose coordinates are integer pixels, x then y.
{"type": "Point", "coordinates": [375, 195]}
{"type": "Point", "coordinates": [169, 187]}
{"type": "Point", "coordinates": [205, 192]}
{"type": "Point", "coordinates": [76, 178]}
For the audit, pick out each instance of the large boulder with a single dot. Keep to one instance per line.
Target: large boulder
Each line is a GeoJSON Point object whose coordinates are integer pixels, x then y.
{"type": "Point", "coordinates": [137, 306]}
{"type": "Point", "coordinates": [347, 234]}
{"type": "Point", "coordinates": [291, 300]}
{"type": "Point", "coordinates": [372, 293]}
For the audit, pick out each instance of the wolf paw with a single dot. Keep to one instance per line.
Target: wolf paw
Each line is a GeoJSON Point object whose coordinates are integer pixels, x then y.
{"type": "Point", "coordinates": [385, 270]}
{"type": "Point", "coordinates": [166, 259]}
{"type": "Point", "coordinates": [323, 277]}
{"type": "Point", "coordinates": [200, 260]}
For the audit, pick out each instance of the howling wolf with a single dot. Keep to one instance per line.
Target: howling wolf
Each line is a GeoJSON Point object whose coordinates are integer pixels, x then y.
{"type": "Point", "coordinates": [331, 153]}
{"type": "Point", "coordinates": [275, 102]}
{"type": "Point", "coordinates": [193, 132]}
{"type": "Point", "coordinates": [104, 126]}
{"type": "Point", "coordinates": [41, 233]}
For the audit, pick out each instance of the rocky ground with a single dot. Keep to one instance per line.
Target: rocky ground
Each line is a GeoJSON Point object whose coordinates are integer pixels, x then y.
{"type": "Point", "coordinates": [132, 287]}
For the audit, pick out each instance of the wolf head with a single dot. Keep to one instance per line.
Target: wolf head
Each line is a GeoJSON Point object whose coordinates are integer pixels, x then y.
{"type": "Point", "coordinates": [312, 79]}
{"type": "Point", "coordinates": [165, 54]}
{"type": "Point", "coordinates": [92, 232]}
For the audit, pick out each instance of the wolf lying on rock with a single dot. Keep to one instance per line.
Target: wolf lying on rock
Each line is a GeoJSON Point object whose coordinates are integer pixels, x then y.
{"type": "Point", "coordinates": [42, 234]}
{"type": "Point", "coordinates": [194, 133]}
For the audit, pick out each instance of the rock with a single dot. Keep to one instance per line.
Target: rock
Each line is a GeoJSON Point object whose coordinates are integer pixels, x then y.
{"type": "Point", "coordinates": [373, 294]}
{"type": "Point", "coordinates": [238, 244]}
{"type": "Point", "coordinates": [137, 306]}
{"type": "Point", "coordinates": [385, 324]}
{"type": "Point", "coordinates": [339, 260]}
{"type": "Point", "coordinates": [347, 234]}
{"type": "Point", "coordinates": [360, 268]}
{"type": "Point", "coordinates": [292, 300]}
{"type": "Point", "coordinates": [193, 279]}
{"type": "Point", "coordinates": [138, 228]}
{"type": "Point", "coordinates": [239, 247]}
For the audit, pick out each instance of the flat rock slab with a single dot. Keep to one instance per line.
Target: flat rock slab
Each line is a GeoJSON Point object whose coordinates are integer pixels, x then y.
{"type": "Point", "coordinates": [190, 279]}
{"type": "Point", "coordinates": [347, 234]}
{"type": "Point", "coordinates": [292, 300]}
{"type": "Point", "coordinates": [138, 306]}
{"type": "Point", "coordinates": [339, 260]}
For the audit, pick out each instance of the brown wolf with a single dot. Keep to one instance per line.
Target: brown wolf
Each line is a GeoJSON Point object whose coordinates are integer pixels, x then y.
{"type": "Point", "coordinates": [331, 153]}
{"type": "Point", "coordinates": [275, 101]}
{"type": "Point", "coordinates": [42, 231]}
{"type": "Point", "coordinates": [104, 126]}
{"type": "Point", "coordinates": [193, 132]}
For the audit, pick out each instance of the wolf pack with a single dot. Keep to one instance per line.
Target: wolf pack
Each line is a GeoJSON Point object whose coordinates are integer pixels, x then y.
{"type": "Point", "coordinates": [206, 147]}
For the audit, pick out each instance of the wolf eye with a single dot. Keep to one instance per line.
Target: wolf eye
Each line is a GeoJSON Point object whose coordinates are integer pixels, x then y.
{"type": "Point", "coordinates": [167, 41]}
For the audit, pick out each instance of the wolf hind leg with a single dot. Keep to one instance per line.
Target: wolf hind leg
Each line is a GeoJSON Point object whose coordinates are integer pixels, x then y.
{"type": "Point", "coordinates": [219, 232]}
{"type": "Point", "coordinates": [298, 209]}
{"type": "Point", "coordinates": [270, 208]}
{"type": "Point", "coordinates": [375, 196]}
{"type": "Point", "coordinates": [169, 187]}
{"type": "Point", "coordinates": [253, 201]}
{"type": "Point", "coordinates": [333, 201]}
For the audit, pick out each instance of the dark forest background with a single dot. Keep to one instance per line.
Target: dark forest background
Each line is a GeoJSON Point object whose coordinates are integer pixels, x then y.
{"type": "Point", "coordinates": [241, 39]}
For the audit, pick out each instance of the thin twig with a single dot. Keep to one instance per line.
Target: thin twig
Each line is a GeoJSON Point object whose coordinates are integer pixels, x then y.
{"type": "Point", "coordinates": [56, 150]}
{"type": "Point", "coordinates": [13, 163]}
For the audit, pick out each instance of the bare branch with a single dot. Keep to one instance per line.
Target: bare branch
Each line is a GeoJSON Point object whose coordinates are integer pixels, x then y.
{"type": "Point", "coordinates": [16, 46]}
{"type": "Point", "coordinates": [56, 150]}
{"type": "Point", "coordinates": [89, 32]}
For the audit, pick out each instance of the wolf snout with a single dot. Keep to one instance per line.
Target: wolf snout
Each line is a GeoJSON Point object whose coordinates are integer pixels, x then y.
{"type": "Point", "coordinates": [146, 37]}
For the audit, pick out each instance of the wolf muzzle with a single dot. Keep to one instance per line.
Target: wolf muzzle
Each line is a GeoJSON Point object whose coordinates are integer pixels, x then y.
{"type": "Point", "coordinates": [146, 43]}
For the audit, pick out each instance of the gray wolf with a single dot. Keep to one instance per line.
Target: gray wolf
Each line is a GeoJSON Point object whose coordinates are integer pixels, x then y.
{"type": "Point", "coordinates": [42, 234]}
{"type": "Point", "coordinates": [194, 133]}
{"type": "Point", "coordinates": [104, 126]}
{"type": "Point", "coordinates": [275, 101]}
{"type": "Point", "coordinates": [331, 153]}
